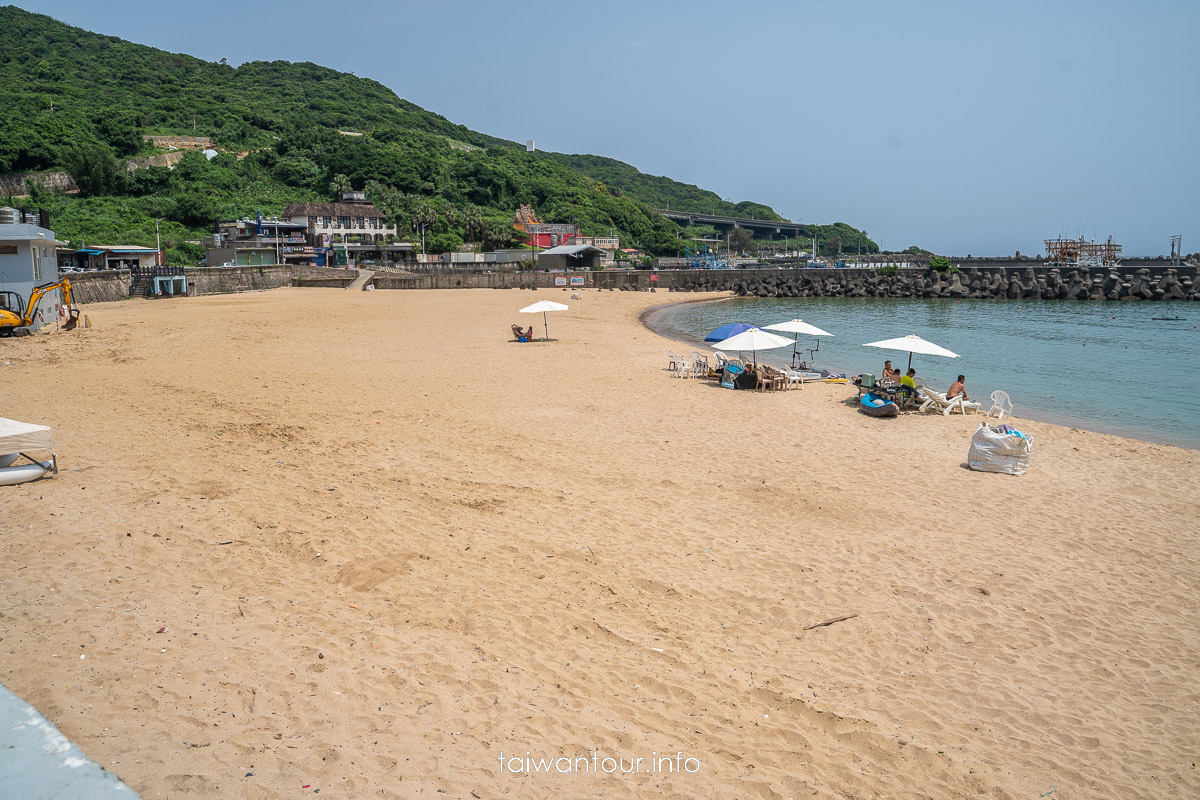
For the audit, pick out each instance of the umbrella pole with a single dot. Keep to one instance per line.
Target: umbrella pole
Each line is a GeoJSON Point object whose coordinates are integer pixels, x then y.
{"type": "Point", "coordinates": [546, 325]}
{"type": "Point", "coordinates": [794, 346]}
{"type": "Point", "coordinates": [910, 360]}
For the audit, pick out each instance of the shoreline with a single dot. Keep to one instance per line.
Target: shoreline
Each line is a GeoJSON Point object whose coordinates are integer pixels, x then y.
{"type": "Point", "coordinates": [655, 317]}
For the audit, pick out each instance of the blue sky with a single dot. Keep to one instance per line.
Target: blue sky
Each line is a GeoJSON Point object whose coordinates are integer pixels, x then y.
{"type": "Point", "coordinates": [978, 128]}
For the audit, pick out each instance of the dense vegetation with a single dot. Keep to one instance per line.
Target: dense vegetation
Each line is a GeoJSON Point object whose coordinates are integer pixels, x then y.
{"type": "Point", "coordinates": [659, 191]}
{"type": "Point", "coordinates": [79, 101]}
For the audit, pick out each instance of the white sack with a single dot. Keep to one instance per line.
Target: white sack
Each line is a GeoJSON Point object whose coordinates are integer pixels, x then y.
{"type": "Point", "coordinates": [993, 451]}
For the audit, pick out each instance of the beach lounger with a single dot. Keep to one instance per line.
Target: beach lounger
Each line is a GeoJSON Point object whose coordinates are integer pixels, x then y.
{"type": "Point", "coordinates": [937, 401]}
{"type": "Point", "coordinates": [933, 400]}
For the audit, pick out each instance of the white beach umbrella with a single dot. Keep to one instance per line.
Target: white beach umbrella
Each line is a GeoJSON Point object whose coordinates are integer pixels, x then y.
{"type": "Point", "coordinates": [753, 339]}
{"type": "Point", "coordinates": [798, 326]}
{"type": "Point", "coordinates": [912, 344]}
{"type": "Point", "coordinates": [542, 306]}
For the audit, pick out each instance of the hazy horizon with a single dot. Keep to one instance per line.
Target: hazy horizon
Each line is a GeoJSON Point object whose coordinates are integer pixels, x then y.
{"type": "Point", "coordinates": [960, 129]}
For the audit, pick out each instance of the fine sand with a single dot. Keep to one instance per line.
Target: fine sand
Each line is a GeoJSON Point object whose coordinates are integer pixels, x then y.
{"type": "Point", "coordinates": [363, 544]}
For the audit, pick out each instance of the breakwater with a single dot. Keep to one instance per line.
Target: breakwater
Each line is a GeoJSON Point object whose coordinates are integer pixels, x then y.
{"type": "Point", "coordinates": [1030, 283]}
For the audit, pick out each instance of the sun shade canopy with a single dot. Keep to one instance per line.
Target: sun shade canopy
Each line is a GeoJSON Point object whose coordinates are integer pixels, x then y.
{"type": "Point", "coordinates": [17, 437]}
{"type": "Point", "coordinates": [797, 326]}
{"type": "Point", "coordinates": [913, 344]}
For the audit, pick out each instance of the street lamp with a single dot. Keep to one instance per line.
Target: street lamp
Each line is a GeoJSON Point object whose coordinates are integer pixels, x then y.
{"type": "Point", "coordinates": [422, 228]}
{"type": "Point", "coordinates": [158, 241]}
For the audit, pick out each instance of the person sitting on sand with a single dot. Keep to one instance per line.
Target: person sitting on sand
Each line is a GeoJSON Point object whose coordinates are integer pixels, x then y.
{"type": "Point", "coordinates": [529, 333]}
{"type": "Point", "coordinates": [958, 389]}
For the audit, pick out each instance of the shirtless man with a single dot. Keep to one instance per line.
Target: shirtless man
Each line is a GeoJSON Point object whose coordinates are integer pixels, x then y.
{"type": "Point", "coordinates": [957, 388]}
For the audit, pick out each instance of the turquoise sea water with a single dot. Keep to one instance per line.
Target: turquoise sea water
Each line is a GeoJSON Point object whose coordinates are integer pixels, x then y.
{"type": "Point", "coordinates": [1101, 366]}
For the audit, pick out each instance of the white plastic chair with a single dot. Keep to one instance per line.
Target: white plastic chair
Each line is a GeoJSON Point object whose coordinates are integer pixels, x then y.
{"type": "Point", "coordinates": [675, 358]}
{"type": "Point", "coordinates": [1001, 403]}
{"type": "Point", "coordinates": [793, 377]}
{"type": "Point", "coordinates": [683, 368]}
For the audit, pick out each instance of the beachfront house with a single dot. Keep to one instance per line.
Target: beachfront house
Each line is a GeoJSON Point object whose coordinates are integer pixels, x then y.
{"type": "Point", "coordinates": [609, 243]}
{"type": "Point", "coordinates": [113, 256]}
{"type": "Point", "coordinates": [28, 260]}
{"type": "Point", "coordinates": [350, 232]}
{"type": "Point", "coordinates": [258, 242]}
{"type": "Point", "coordinates": [572, 258]}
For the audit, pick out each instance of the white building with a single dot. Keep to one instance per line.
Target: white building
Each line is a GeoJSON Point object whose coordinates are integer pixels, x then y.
{"type": "Point", "coordinates": [355, 219]}
{"type": "Point", "coordinates": [28, 260]}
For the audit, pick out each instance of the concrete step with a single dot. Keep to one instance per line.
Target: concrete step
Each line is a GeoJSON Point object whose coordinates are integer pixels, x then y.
{"type": "Point", "coordinates": [360, 282]}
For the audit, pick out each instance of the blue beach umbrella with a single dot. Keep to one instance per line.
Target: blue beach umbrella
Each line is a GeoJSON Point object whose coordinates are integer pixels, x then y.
{"type": "Point", "coordinates": [726, 331]}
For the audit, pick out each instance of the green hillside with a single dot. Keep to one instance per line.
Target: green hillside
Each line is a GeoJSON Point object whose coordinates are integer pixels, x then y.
{"type": "Point", "coordinates": [659, 191]}
{"type": "Point", "coordinates": [75, 100]}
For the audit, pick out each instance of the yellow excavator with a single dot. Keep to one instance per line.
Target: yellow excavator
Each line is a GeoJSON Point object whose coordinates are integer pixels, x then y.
{"type": "Point", "coordinates": [15, 316]}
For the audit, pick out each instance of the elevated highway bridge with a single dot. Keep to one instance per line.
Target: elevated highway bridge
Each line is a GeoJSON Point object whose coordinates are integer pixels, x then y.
{"type": "Point", "coordinates": [761, 228]}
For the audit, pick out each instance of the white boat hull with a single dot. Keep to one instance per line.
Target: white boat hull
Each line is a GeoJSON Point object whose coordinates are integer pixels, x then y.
{"type": "Point", "coordinates": [11, 476]}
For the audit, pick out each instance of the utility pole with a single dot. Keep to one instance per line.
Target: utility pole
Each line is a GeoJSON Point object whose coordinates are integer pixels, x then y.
{"type": "Point", "coordinates": [158, 242]}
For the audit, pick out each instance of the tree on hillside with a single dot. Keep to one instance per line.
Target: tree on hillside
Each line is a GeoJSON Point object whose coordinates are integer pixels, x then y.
{"type": "Point", "coordinates": [193, 208]}
{"type": "Point", "coordinates": [121, 131]}
{"type": "Point", "coordinates": [497, 235]}
{"type": "Point", "coordinates": [740, 240]}
{"type": "Point", "coordinates": [476, 224]}
{"type": "Point", "coordinates": [339, 186]}
{"type": "Point", "coordinates": [94, 168]}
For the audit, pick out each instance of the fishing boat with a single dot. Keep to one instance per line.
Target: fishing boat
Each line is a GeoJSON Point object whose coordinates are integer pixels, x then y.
{"type": "Point", "coordinates": [873, 405]}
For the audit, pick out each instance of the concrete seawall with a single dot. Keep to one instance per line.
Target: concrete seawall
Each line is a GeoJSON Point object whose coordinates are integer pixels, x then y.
{"type": "Point", "coordinates": [99, 287]}
{"type": "Point", "coordinates": [225, 280]}
{"type": "Point", "coordinates": [1158, 282]}
{"type": "Point", "coordinates": [108, 285]}
{"type": "Point", "coordinates": [489, 280]}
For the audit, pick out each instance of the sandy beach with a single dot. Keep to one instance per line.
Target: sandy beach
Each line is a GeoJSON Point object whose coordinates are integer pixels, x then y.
{"type": "Point", "coordinates": [364, 544]}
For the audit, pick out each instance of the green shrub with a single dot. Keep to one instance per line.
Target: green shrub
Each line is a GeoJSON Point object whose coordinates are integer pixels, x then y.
{"type": "Point", "coordinates": [940, 265]}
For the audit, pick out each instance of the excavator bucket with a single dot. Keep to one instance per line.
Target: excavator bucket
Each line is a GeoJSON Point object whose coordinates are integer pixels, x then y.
{"type": "Point", "coordinates": [72, 319]}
